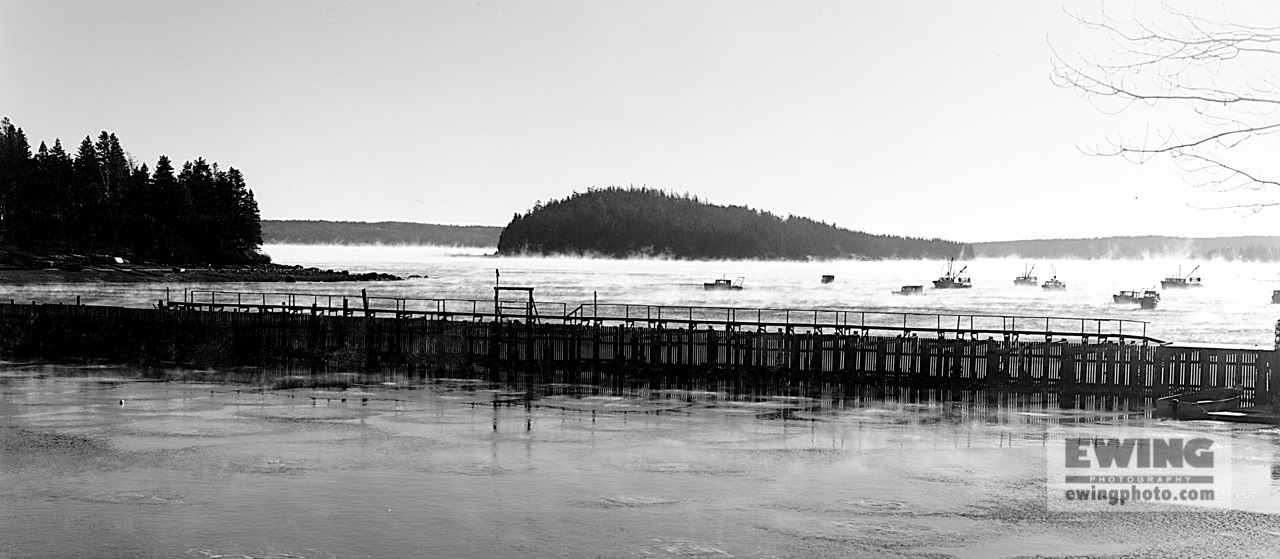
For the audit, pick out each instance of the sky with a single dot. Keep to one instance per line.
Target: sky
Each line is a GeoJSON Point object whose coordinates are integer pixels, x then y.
{"type": "Point", "coordinates": [928, 119]}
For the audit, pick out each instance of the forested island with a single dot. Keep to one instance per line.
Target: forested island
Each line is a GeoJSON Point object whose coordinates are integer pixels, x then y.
{"type": "Point", "coordinates": [314, 232]}
{"type": "Point", "coordinates": [622, 222]}
{"type": "Point", "coordinates": [1256, 249]}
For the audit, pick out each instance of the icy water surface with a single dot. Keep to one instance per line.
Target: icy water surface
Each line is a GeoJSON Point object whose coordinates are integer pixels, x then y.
{"type": "Point", "coordinates": [103, 462]}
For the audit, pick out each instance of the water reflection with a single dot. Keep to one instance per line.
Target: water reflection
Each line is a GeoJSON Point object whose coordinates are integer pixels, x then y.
{"type": "Point", "coordinates": [246, 463]}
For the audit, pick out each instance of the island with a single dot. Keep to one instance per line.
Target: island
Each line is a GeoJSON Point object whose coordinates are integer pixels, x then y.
{"type": "Point", "coordinates": [626, 222]}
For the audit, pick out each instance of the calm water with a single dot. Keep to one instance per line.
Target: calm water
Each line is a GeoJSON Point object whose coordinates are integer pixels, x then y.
{"type": "Point", "coordinates": [103, 462]}
{"type": "Point", "coordinates": [1234, 307]}
{"type": "Point", "coordinates": [195, 468]}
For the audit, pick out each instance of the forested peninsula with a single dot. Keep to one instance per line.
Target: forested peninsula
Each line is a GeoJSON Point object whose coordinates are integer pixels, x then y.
{"type": "Point", "coordinates": [98, 215]}
{"type": "Point", "coordinates": [100, 200]}
{"type": "Point", "coordinates": [623, 222]}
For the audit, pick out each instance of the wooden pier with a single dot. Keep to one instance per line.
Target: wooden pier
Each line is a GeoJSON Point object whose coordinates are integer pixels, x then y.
{"type": "Point", "coordinates": [335, 333]}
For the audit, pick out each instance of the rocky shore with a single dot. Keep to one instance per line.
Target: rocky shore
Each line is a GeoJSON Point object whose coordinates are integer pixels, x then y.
{"type": "Point", "coordinates": [21, 267]}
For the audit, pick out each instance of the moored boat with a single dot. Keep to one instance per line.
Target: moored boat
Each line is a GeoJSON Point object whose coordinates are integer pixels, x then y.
{"type": "Point", "coordinates": [910, 290]}
{"type": "Point", "coordinates": [951, 279]}
{"type": "Point", "coordinates": [1180, 281]}
{"type": "Point", "coordinates": [723, 284]}
{"type": "Point", "coordinates": [1027, 279]}
{"type": "Point", "coordinates": [1147, 298]}
{"type": "Point", "coordinates": [1052, 284]}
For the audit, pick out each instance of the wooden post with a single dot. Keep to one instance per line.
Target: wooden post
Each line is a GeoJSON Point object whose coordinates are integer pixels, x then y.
{"type": "Point", "coordinates": [1068, 387]}
{"type": "Point", "coordinates": [1270, 369]}
{"type": "Point", "coordinates": [997, 375]}
{"type": "Point", "coordinates": [713, 348]}
{"type": "Point", "coordinates": [595, 346]}
{"type": "Point", "coordinates": [364, 297]}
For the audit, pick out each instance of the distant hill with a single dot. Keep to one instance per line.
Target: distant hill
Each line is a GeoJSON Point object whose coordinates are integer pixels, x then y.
{"type": "Point", "coordinates": [1264, 249]}
{"type": "Point", "coordinates": [621, 222]}
{"type": "Point", "coordinates": [382, 232]}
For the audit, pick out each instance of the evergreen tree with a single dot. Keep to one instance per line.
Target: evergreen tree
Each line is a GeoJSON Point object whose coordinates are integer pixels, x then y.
{"type": "Point", "coordinates": [88, 212]}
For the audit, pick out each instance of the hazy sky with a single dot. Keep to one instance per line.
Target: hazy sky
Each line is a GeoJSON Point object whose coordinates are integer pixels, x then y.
{"type": "Point", "coordinates": [929, 118]}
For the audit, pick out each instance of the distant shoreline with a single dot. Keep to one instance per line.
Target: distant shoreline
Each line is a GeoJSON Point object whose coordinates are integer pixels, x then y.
{"type": "Point", "coordinates": [398, 233]}
{"type": "Point", "coordinates": [320, 232]}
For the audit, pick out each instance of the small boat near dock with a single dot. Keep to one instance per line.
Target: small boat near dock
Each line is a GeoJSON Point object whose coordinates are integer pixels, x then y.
{"type": "Point", "coordinates": [1147, 298]}
{"type": "Point", "coordinates": [952, 279]}
{"type": "Point", "coordinates": [1198, 404]}
{"type": "Point", "coordinates": [1180, 281]}
{"type": "Point", "coordinates": [910, 290]}
{"type": "Point", "coordinates": [723, 284]}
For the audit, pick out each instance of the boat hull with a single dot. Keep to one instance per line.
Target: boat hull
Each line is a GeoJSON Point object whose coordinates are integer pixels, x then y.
{"type": "Point", "coordinates": [1197, 405]}
{"type": "Point", "coordinates": [1147, 300]}
{"type": "Point", "coordinates": [720, 287]}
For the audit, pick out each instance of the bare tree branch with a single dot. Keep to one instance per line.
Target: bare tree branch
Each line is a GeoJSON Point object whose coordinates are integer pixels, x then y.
{"type": "Point", "coordinates": [1181, 60]}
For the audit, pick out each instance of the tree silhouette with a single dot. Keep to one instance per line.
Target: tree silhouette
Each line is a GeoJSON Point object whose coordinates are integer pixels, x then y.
{"type": "Point", "coordinates": [100, 201]}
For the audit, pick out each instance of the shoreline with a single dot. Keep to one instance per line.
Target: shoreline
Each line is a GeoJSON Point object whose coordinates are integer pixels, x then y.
{"type": "Point", "coordinates": [31, 266]}
{"type": "Point", "coordinates": [264, 273]}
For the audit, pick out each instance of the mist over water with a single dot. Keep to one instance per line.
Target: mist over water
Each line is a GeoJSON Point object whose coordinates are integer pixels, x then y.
{"type": "Point", "coordinates": [1233, 307]}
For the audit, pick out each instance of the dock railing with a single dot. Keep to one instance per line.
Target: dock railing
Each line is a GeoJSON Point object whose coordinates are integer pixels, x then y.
{"type": "Point", "coordinates": [863, 322]}
{"type": "Point", "coordinates": [819, 321]}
